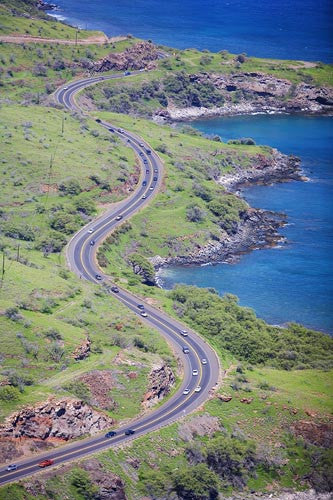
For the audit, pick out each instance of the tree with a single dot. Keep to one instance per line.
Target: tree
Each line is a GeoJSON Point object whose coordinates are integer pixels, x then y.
{"type": "Point", "coordinates": [195, 483]}
{"type": "Point", "coordinates": [142, 267]}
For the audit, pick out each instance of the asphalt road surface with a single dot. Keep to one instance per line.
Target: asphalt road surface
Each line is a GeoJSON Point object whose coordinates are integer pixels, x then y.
{"type": "Point", "coordinates": [81, 256]}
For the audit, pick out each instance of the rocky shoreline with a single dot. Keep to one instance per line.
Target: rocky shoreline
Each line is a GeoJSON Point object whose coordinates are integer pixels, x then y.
{"type": "Point", "coordinates": [257, 228]}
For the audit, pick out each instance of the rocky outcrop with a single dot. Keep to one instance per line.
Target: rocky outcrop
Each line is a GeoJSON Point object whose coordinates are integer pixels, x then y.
{"type": "Point", "coordinates": [62, 419]}
{"type": "Point", "coordinates": [139, 56]}
{"type": "Point", "coordinates": [161, 379]}
{"type": "Point", "coordinates": [200, 425]}
{"type": "Point", "coordinates": [248, 93]}
{"type": "Point", "coordinates": [264, 170]}
{"type": "Point", "coordinates": [110, 486]}
{"type": "Point", "coordinates": [83, 350]}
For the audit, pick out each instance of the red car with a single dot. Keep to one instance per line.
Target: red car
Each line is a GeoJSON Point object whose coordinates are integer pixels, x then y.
{"type": "Point", "coordinates": [46, 463]}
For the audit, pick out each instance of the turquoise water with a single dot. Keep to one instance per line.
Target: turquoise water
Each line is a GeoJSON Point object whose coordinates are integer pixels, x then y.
{"type": "Point", "coordinates": [297, 29]}
{"type": "Point", "coordinates": [292, 282]}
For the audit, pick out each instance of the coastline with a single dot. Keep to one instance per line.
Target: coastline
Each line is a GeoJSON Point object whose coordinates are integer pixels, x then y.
{"type": "Point", "coordinates": [257, 228]}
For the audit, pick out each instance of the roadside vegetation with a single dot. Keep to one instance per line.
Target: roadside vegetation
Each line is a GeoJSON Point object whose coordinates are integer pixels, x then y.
{"type": "Point", "coordinates": [268, 426]}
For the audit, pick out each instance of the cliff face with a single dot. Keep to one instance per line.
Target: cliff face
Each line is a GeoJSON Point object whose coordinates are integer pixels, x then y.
{"type": "Point", "coordinates": [63, 419]}
{"type": "Point", "coordinates": [161, 379]}
{"type": "Point", "coordinates": [246, 93]}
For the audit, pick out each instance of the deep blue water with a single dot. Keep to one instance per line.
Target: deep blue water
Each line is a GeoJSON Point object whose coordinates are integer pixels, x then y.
{"type": "Point", "coordinates": [285, 29]}
{"type": "Point", "coordinates": [294, 281]}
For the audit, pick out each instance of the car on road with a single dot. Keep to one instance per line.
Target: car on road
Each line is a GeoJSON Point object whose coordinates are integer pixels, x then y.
{"type": "Point", "coordinates": [91, 230]}
{"type": "Point", "coordinates": [140, 306]}
{"type": "Point", "coordinates": [144, 183]}
{"type": "Point", "coordinates": [155, 179]}
{"type": "Point", "coordinates": [119, 217]}
{"type": "Point", "coordinates": [186, 391]}
{"type": "Point", "coordinates": [204, 361]}
{"type": "Point", "coordinates": [127, 73]}
{"type": "Point", "coordinates": [195, 372]}
{"type": "Point", "coordinates": [141, 153]}
{"type": "Point", "coordinates": [115, 289]}
{"type": "Point", "coordinates": [197, 389]}
{"type": "Point", "coordinates": [111, 129]}
{"type": "Point", "coordinates": [148, 151]}
{"type": "Point", "coordinates": [98, 277]}
{"type": "Point", "coordinates": [12, 467]}
{"type": "Point", "coordinates": [46, 463]}
{"type": "Point", "coordinates": [185, 349]}
{"type": "Point", "coordinates": [120, 130]}
{"type": "Point", "coordinates": [98, 120]}
{"type": "Point", "coordinates": [151, 188]}
{"type": "Point", "coordinates": [110, 434]}
{"type": "Point", "coordinates": [155, 170]}
{"type": "Point", "coordinates": [144, 314]}
{"type": "Point", "coordinates": [145, 161]}
{"type": "Point", "coordinates": [184, 333]}
{"type": "Point", "coordinates": [129, 432]}
{"type": "Point", "coordinates": [65, 88]}
{"type": "Point", "coordinates": [141, 145]}
{"type": "Point", "coordinates": [92, 243]}
{"type": "Point", "coordinates": [144, 197]}
{"type": "Point", "coordinates": [147, 171]}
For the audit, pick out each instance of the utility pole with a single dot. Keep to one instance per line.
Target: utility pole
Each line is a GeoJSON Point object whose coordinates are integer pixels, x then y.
{"type": "Point", "coordinates": [18, 253]}
{"type": "Point", "coordinates": [3, 267]}
{"type": "Point", "coordinates": [62, 125]}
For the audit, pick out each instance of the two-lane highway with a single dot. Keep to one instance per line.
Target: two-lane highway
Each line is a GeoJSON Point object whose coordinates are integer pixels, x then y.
{"type": "Point", "coordinates": [200, 363]}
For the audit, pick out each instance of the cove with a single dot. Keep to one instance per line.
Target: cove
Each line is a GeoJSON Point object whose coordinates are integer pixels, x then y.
{"type": "Point", "coordinates": [293, 281]}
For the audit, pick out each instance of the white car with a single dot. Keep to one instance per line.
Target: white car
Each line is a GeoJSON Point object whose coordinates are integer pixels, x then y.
{"type": "Point", "coordinates": [186, 391]}
{"type": "Point", "coordinates": [144, 314]}
{"type": "Point", "coordinates": [184, 333]}
{"type": "Point", "coordinates": [204, 361]}
{"type": "Point", "coordinates": [195, 372]}
{"type": "Point", "coordinates": [91, 230]}
{"type": "Point", "coordinates": [197, 389]}
{"type": "Point", "coordinates": [144, 197]}
{"type": "Point", "coordinates": [65, 88]}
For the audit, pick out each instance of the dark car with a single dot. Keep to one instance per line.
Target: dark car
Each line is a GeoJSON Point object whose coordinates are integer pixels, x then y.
{"type": "Point", "coordinates": [92, 243]}
{"type": "Point", "coordinates": [127, 73]}
{"type": "Point", "coordinates": [144, 183]}
{"type": "Point", "coordinates": [140, 306]}
{"type": "Point", "coordinates": [155, 179]}
{"type": "Point", "coordinates": [46, 463]}
{"type": "Point", "coordinates": [111, 129]}
{"type": "Point", "coordinates": [147, 171]}
{"type": "Point", "coordinates": [110, 434]}
{"type": "Point", "coordinates": [12, 467]}
{"type": "Point", "coordinates": [145, 161]}
{"type": "Point", "coordinates": [148, 151]}
{"type": "Point", "coordinates": [141, 153]}
{"type": "Point", "coordinates": [115, 289]}
{"type": "Point", "coordinates": [186, 350]}
{"type": "Point", "coordinates": [98, 277]}
{"type": "Point", "coordinates": [129, 432]}
{"type": "Point", "coordinates": [98, 120]}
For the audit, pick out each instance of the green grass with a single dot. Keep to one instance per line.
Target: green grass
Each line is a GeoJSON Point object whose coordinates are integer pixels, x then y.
{"type": "Point", "coordinates": [51, 28]}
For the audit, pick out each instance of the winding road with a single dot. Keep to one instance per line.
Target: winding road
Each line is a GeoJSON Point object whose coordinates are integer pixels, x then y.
{"type": "Point", "coordinates": [81, 256]}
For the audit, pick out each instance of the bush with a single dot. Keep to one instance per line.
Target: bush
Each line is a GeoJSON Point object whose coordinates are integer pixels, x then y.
{"type": "Point", "coordinates": [9, 393]}
{"type": "Point", "coordinates": [195, 214]}
{"type": "Point", "coordinates": [70, 187]}
{"type": "Point", "coordinates": [18, 231]}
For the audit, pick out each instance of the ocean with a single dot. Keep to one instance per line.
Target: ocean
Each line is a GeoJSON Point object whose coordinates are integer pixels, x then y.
{"type": "Point", "coordinates": [291, 282]}
{"type": "Point", "coordinates": [297, 29]}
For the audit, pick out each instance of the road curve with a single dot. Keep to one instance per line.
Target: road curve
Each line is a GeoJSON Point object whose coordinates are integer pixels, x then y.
{"type": "Point", "coordinates": [81, 256]}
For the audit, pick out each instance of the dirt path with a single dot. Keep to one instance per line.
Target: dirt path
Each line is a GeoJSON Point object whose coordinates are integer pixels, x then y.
{"type": "Point", "coordinates": [97, 40]}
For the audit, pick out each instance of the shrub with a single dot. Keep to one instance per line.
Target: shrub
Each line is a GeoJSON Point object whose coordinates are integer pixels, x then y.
{"type": "Point", "coordinates": [9, 393]}
{"type": "Point", "coordinates": [195, 214]}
